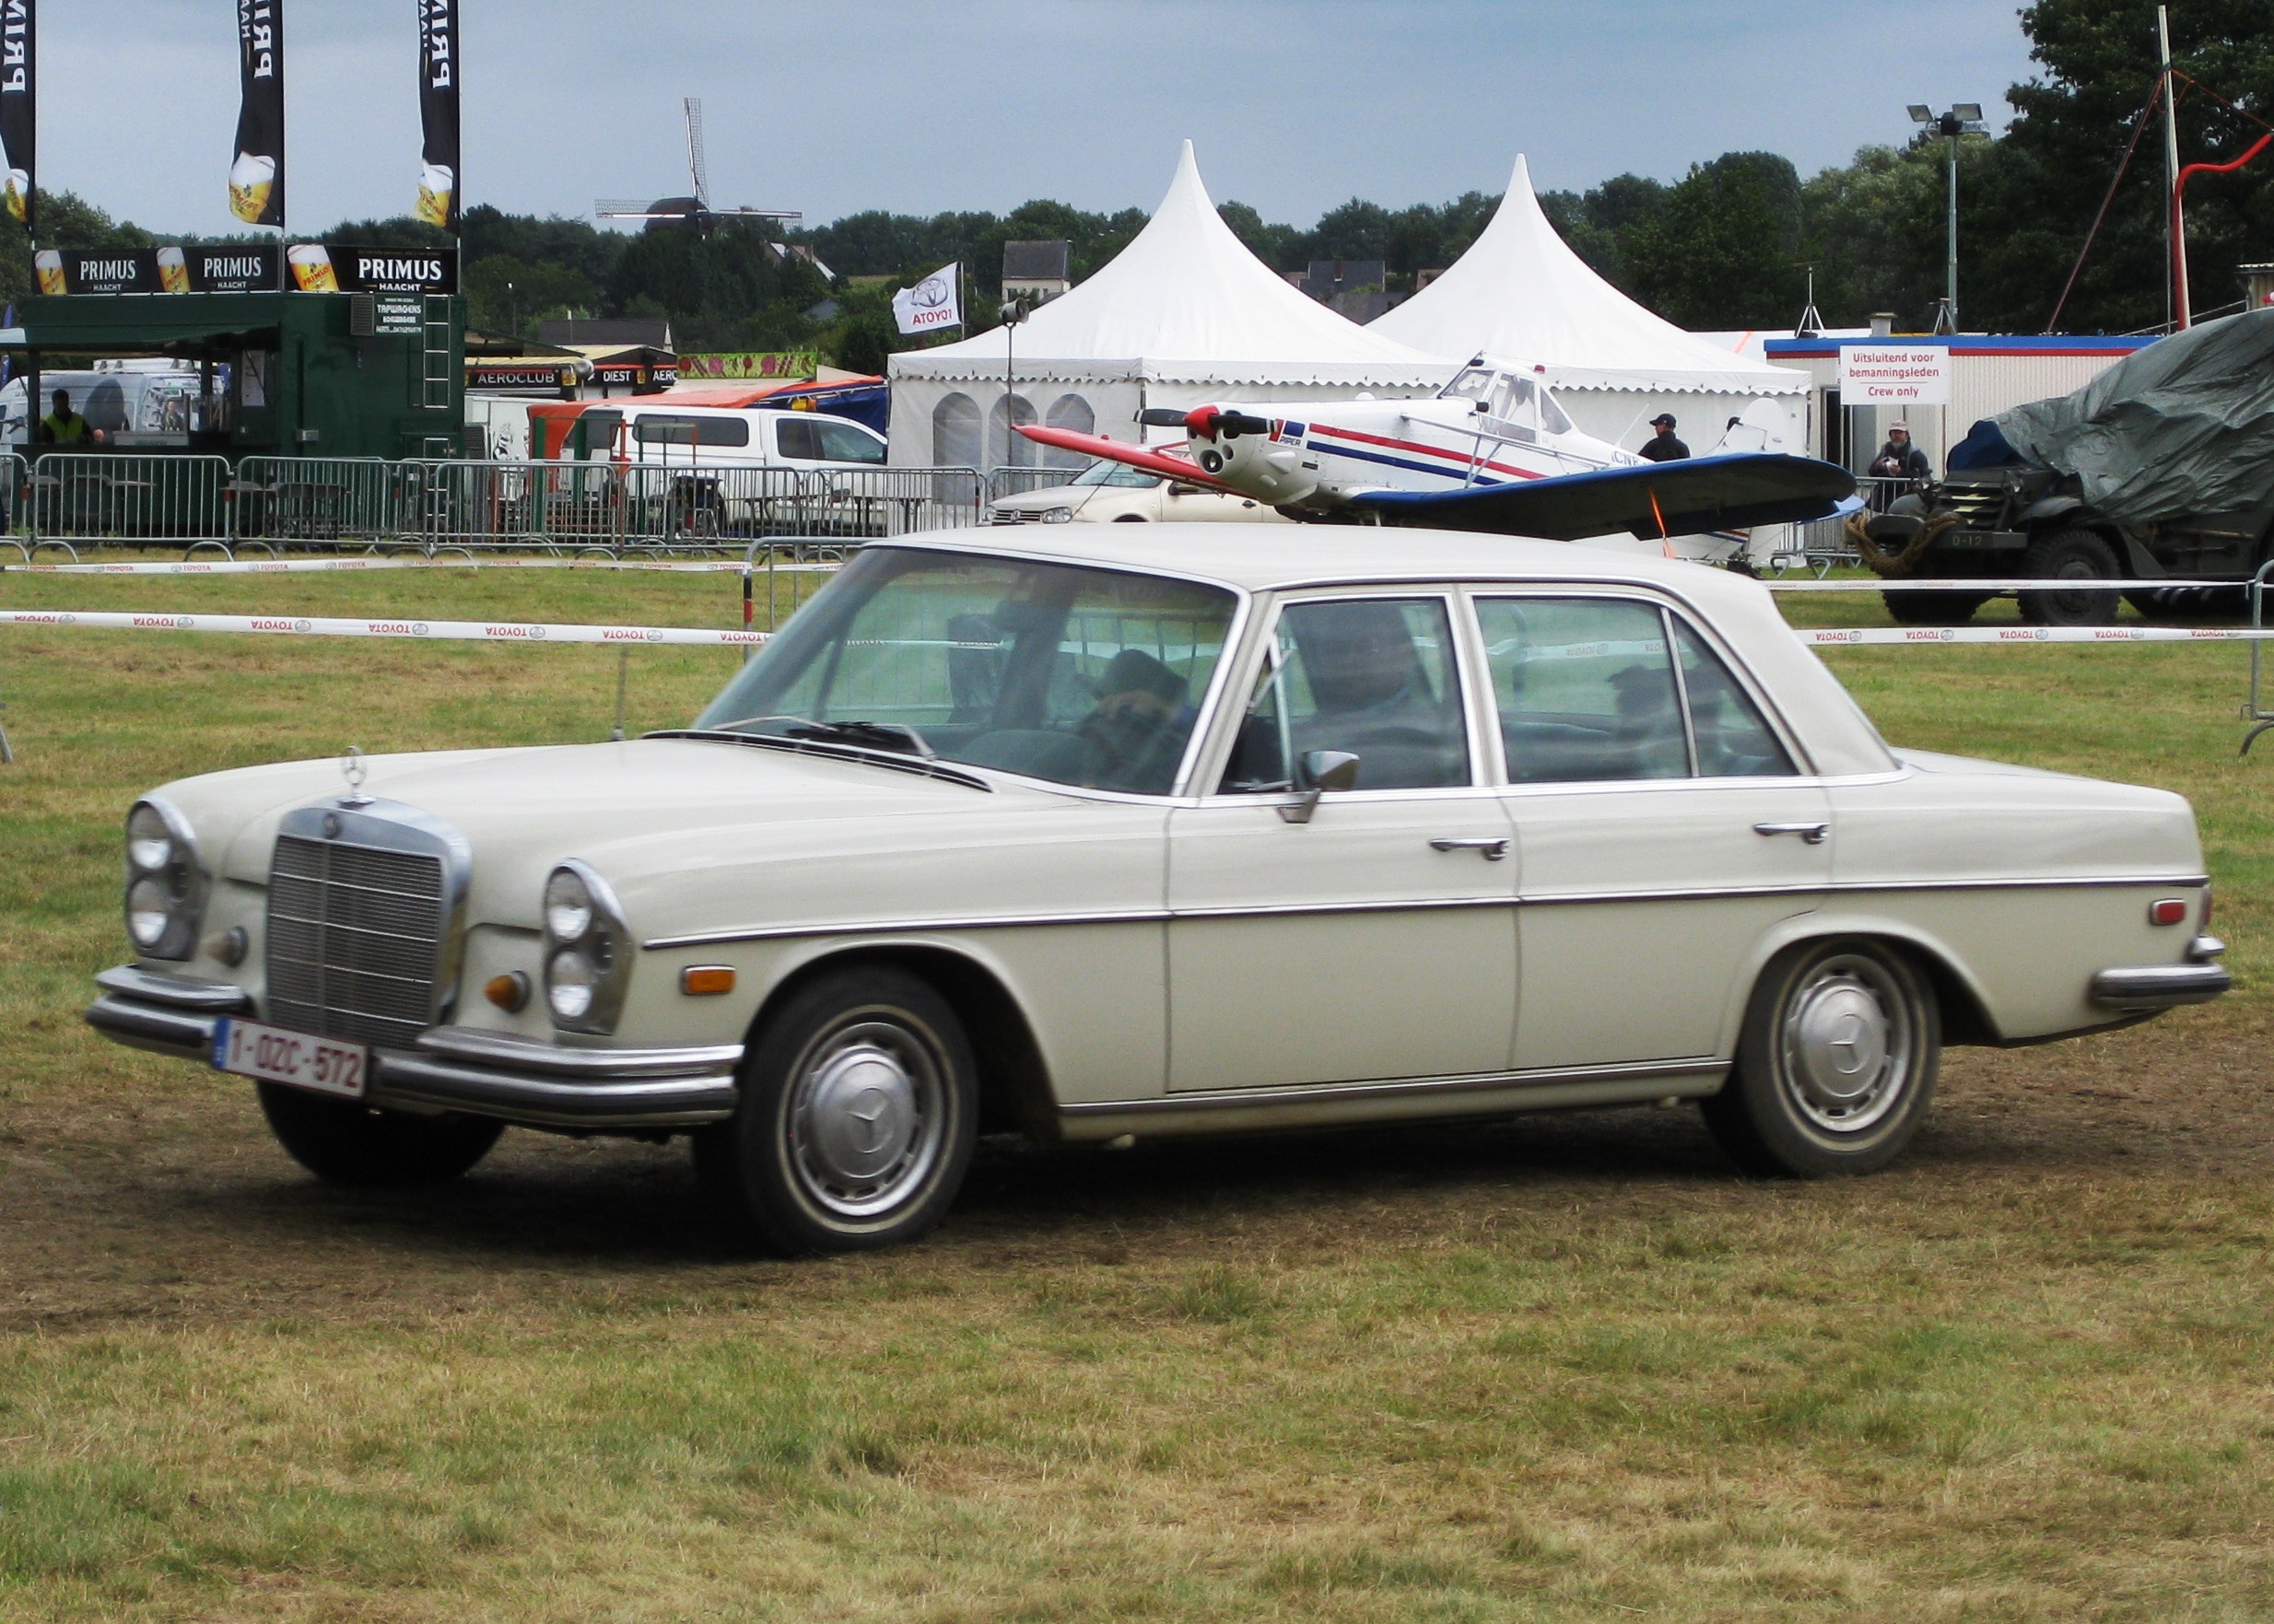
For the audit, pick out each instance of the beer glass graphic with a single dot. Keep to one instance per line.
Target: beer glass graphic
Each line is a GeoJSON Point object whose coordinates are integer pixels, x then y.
{"type": "Point", "coordinates": [311, 268]}
{"type": "Point", "coordinates": [20, 194]}
{"type": "Point", "coordinates": [435, 184]}
{"type": "Point", "coordinates": [173, 271]}
{"type": "Point", "coordinates": [251, 179]}
{"type": "Point", "coordinates": [49, 264]}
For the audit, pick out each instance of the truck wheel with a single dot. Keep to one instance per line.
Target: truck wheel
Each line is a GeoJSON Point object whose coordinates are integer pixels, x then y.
{"type": "Point", "coordinates": [343, 1143]}
{"type": "Point", "coordinates": [1933, 608]}
{"type": "Point", "coordinates": [1835, 1065]}
{"type": "Point", "coordinates": [2070, 555]}
{"type": "Point", "coordinates": [859, 1112]}
{"type": "Point", "coordinates": [2191, 604]}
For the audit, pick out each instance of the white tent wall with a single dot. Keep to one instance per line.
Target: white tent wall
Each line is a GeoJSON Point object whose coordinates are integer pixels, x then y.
{"type": "Point", "coordinates": [1183, 316]}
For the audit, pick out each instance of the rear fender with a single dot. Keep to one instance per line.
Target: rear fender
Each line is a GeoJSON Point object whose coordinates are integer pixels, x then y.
{"type": "Point", "coordinates": [1965, 1009]}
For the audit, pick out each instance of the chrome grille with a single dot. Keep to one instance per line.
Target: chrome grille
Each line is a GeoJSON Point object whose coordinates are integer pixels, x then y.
{"type": "Point", "coordinates": [355, 936]}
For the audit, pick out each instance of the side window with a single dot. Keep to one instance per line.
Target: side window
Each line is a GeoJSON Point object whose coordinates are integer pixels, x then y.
{"type": "Point", "coordinates": [841, 442]}
{"type": "Point", "coordinates": [1512, 404]}
{"type": "Point", "coordinates": [653, 430]}
{"type": "Point", "coordinates": [1585, 688]}
{"type": "Point", "coordinates": [1552, 417]}
{"type": "Point", "coordinates": [1733, 739]}
{"type": "Point", "coordinates": [1372, 676]}
{"type": "Point", "coordinates": [722, 431]}
{"type": "Point", "coordinates": [798, 438]}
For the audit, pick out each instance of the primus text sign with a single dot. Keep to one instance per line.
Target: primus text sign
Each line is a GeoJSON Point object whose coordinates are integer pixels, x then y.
{"type": "Point", "coordinates": [1894, 375]}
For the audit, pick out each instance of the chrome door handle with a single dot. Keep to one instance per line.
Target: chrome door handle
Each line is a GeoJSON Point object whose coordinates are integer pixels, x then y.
{"type": "Point", "coordinates": [1494, 846]}
{"type": "Point", "coordinates": [1814, 834]}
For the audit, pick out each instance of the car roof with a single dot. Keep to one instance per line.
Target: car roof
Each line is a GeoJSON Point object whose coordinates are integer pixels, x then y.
{"type": "Point", "coordinates": [1264, 557]}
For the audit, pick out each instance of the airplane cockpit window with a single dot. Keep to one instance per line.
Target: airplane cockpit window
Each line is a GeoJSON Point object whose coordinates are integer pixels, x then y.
{"type": "Point", "coordinates": [1471, 384]}
{"type": "Point", "coordinates": [1552, 417]}
{"type": "Point", "coordinates": [1512, 408]}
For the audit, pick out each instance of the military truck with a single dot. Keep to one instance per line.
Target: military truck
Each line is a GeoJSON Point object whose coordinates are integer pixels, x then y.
{"type": "Point", "coordinates": [2160, 469]}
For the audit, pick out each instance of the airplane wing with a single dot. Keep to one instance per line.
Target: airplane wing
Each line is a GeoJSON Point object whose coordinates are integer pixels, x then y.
{"type": "Point", "coordinates": [1655, 499]}
{"type": "Point", "coordinates": [1097, 445]}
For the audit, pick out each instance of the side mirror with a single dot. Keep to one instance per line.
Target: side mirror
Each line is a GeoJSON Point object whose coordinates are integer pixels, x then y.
{"type": "Point", "coordinates": [1320, 770]}
{"type": "Point", "coordinates": [1480, 405]}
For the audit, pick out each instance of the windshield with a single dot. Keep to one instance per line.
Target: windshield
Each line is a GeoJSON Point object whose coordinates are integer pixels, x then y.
{"type": "Point", "coordinates": [1081, 676]}
{"type": "Point", "coordinates": [1473, 383]}
{"type": "Point", "coordinates": [1115, 473]}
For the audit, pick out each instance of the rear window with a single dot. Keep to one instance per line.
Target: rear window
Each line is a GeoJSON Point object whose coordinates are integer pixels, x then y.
{"type": "Point", "coordinates": [657, 429]}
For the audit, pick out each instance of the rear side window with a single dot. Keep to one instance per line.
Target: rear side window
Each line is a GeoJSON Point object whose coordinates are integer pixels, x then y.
{"type": "Point", "coordinates": [1587, 692]}
{"type": "Point", "coordinates": [841, 442]}
{"type": "Point", "coordinates": [794, 438]}
{"type": "Point", "coordinates": [655, 429]}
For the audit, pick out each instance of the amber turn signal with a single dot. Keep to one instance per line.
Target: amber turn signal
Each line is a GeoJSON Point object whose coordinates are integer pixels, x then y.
{"type": "Point", "coordinates": [510, 992]}
{"type": "Point", "coordinates": [706, 980]}
{"type": "Point", "coordinates": [2168, 910]}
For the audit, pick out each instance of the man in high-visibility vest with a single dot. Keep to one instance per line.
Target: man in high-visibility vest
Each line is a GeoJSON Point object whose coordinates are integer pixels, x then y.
{"type": "Point", "coordinates": [63, 427]}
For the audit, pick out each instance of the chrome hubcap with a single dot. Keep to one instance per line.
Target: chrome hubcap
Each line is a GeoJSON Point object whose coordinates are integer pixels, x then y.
{"type": "Point", "coordinates": [866, 1121]}
{"type": "Point", "coordinates": [1847, 1044]}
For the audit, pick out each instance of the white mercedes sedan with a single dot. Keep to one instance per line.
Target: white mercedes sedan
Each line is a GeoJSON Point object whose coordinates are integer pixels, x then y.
{"type": "Point", "coordinates": [1095, 835]}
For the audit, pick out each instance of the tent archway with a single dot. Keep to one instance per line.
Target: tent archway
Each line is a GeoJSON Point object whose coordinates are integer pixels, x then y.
{"type": "Point", "coordinates": [955, 431]}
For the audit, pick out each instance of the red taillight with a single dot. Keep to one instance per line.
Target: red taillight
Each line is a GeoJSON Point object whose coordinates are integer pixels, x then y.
{"type": "Point", "coordinates": [2168, 910]}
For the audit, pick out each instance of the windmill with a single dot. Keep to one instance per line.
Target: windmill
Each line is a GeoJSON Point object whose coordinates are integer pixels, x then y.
{"type": "Point", "coordinates": [694, 210]}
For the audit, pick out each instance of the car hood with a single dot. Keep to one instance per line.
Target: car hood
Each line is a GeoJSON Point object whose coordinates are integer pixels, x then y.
{"type": "Point", "coordinates": [634, 809]}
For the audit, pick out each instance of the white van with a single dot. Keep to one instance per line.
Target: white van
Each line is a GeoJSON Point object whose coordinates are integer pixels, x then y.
{"type": "Point", "coordinates": [728, 437]}
{"type": "Point", "coordinates": [125, 402]}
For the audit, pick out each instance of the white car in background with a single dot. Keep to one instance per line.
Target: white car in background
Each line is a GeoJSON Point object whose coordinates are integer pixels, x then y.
{"type": "Point", "coordinates": [1111, 493]}
{"type": "Point", "coordinates": [1098, 836]}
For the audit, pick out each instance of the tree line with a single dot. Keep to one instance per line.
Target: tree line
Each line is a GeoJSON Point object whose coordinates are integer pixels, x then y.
{"type": "Point", "coordinates": [1730, 244]}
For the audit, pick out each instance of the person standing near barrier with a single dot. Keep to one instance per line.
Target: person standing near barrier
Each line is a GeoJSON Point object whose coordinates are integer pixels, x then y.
{"type": "Point", "coordinates": [63, 427]}
{"type": "Point", "coordinates": [1899, 459]}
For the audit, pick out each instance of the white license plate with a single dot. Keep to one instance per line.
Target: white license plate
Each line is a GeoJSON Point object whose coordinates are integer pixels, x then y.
{"type": "Point", "coordinates": [274, 1055]}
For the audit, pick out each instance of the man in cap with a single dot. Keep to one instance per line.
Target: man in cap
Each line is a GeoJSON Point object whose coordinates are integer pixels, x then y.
{"type": "Point", "coordinates": [1899, 459]}
{"type": "Point", "coordinates": [1664, 447]}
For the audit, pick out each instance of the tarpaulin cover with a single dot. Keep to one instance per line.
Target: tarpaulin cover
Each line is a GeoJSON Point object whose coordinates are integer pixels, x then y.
{"type": "Point", "coordinates": [2185, 425]}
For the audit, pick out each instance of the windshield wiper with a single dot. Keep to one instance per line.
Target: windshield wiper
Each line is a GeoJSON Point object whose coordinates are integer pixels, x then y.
{"type": "Point", "coordinates": [876, 735]}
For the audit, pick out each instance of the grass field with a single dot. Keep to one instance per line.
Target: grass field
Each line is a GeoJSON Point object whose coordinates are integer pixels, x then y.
{"type": "Point", "coordinates": [1567, 1368]}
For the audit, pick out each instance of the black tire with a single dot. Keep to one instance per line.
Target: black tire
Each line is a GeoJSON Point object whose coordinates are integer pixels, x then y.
{"type": "Point", "coordinates": [1932, 608]}
{"type": "Point", "coordinates": [1791, 1106]}
{"type": "Point", "coordinates": [2069, 554]}
{"type": "Point", "coordinates": [801, 1168]}
{"type": "Point", "coordinates": [1129, 518]}
{"type": "Point", "coordinates": [343, 1143]}
{"type": "Point", "coordinates": [2191, 604]}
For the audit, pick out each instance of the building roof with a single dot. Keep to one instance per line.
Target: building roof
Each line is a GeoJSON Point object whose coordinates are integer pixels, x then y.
{"type": "Point", "coordinates": [1037, 262]}
{"type": "Point", "coordinates": [1519, 291]}
{"type": "Point", "coordinates": [1185, 301]}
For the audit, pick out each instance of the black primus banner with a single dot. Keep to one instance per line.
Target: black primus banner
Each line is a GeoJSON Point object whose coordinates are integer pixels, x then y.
{"type": "Point", "coordinates": [257, 177]}
{"type": "Point", "coordinates": [18, 83]}
{"type": "Point", "coordinates": [438, 113]}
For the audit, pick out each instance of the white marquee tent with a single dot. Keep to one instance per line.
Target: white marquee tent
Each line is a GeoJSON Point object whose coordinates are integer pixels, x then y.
{"type": "Point", "coordinates": [1521, 294]}
{"type": "Point", "coordinates": [1183, 315]}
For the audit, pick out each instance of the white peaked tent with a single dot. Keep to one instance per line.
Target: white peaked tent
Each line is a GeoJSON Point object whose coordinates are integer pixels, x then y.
{"type": "Point", "coordinates": [1521, 294]}
{"type": "Point", "coordinates": [1183, 315]}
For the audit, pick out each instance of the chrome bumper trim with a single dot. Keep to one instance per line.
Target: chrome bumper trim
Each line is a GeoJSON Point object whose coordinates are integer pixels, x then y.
{"type": "Point", "coordinates": [522, 1054]}
{"type": "Point", "coordinates": [180, 992]}
{"type": "Point", "coordinates": [486, 1074]}
{"type": "Point", "coordinates": [2136, 988]}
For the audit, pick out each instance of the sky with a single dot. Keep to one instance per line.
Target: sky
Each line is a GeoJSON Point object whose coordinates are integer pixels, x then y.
{"type": "Point", "coordinates": [1294, 105]}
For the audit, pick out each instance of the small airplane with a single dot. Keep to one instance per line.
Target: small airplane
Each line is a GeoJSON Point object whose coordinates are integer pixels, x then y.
{"type": "Point", "coordinates": [1491, 452]}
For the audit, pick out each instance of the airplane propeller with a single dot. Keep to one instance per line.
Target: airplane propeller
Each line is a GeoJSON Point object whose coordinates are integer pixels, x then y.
{"type": "Point", "coordinates": [1205, 422]}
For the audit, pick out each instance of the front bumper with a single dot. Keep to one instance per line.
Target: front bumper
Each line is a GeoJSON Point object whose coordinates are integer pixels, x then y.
{"type": "Point", "coordinates": [2142, 988]}
{"type": "Point", "coordinates": [484, 1074]}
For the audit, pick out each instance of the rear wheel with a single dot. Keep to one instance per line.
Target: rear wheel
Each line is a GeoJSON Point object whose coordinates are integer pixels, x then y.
{"type": "Point", "coordinates": [2191, 603]}
{"type": "Point", "coordinates": [858, 1116]}
{"type": "Point", "coordinates": [2070, 555]}
{"type": "Point", "coordinates": [1932, 608]}
{"type": "Point", "coordinates": [1835, 1065]}
{"type": "Point", "coordinates": [344, 1142]}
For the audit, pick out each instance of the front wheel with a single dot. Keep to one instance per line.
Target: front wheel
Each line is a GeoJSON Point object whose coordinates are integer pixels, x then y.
{"type": "Point", "coordinates": [1914, 608]}
{"type": "Point", "coordinates": [858, 1116]}
{"type": "Point", "coordinates": [1835, 1065]}
{"type": "Point", "coordinates": [344, 1142]}
{"type": "Point", "coordinates": [2070, 555]}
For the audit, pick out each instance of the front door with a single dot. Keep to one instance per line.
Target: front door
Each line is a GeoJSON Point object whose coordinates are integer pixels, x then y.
{"type": "Point", "coordinates": [1660, 819]}
{"type": "Point", "coordinates": [1376, 940]}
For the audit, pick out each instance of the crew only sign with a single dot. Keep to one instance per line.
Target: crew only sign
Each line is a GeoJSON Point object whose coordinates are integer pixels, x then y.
{"type": "Point", "coordinates": [1894, 375]}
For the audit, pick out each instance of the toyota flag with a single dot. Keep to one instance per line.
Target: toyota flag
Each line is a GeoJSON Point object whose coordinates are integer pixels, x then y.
{"type": "Point", "coordinates": [438, 113]}
{"type": "Point", "coordinates": [257, 175]}
{"type": "Point", "coordinates": [931, 304]}
{"type": "Point", "coordinates": [18, 92]}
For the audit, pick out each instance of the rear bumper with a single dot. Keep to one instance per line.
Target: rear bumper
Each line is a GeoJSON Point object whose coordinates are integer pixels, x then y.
{"type": "Point", "coordinates": [2140, 989]}
{"type": "Point", "coordinates": [484, 1074]}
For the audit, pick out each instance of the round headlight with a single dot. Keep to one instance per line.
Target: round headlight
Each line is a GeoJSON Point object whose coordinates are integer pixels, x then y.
{"type": "Point", "coordinates": [149, 911]}
{"type": "Point", "coordinates": [568, 985]}
{"type": "Point", "coordinates": [149, 843]}
{"type": "Point", "coordinates": [568, 906]}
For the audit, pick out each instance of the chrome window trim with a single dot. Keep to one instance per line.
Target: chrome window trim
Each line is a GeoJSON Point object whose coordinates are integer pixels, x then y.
{"type": "Point", "coordinates": [1393, 1087]}
{"type": "Point", "coordinates": [937, 926]}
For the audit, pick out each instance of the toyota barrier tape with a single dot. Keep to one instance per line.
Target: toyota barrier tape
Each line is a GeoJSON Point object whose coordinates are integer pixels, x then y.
{"type": "Point", "coordinates": [1900, 635]}
{"type": "Point", "coordinates": [466, 631]}
{"type": "Point", "coordinates": [328, 565]}
{"type": "Point", "coordinates": [2016, 585]}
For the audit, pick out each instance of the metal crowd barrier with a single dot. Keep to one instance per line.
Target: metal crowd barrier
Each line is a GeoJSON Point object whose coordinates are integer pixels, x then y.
{"type": "Point", "coordinates": [1017, 482]}
{"type": "Point", "coordinates": [323, 504]}
{"type": "Point", "coordinates": [1821, 545]}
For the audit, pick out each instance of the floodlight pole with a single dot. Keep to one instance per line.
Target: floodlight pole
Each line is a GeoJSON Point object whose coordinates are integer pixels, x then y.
{"type": "Point", "coordinates": [2176, 268]}
{"type": "Point", "coordinates": [1950, 292]}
